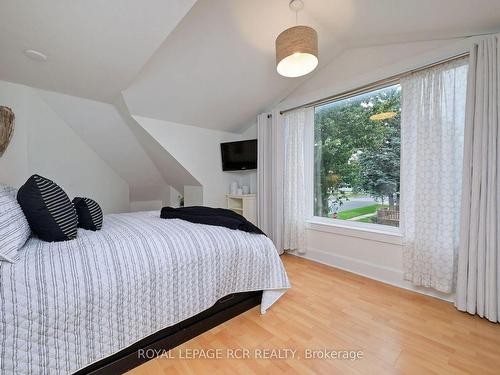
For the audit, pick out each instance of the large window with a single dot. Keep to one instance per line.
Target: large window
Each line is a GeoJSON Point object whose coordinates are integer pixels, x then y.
{"type": "Point", "coordinates": [357, 158]}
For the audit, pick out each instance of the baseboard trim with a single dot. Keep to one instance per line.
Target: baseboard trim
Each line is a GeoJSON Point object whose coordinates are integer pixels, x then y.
{"type": "Point", "coordinates": [386, 275]}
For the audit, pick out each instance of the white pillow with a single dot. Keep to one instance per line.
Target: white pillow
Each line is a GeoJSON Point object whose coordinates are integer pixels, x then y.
{"type": "Point", "coordinates": [14, 228]}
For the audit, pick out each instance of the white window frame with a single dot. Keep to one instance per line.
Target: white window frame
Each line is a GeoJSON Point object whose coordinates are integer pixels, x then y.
{"type": "Point", "coordinates": [392, 234]}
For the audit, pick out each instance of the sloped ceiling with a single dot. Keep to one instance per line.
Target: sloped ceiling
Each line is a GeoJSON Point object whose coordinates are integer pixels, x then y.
{"type": "Point", "coordinates": [95, 48]}
{"type": "Point", "coordinates": [361, 23]}
{"type": "Point", "coordinates": [208, 63]}
{"type": "Point", "coordinates": [172, 171]}
{"type": "Point", "coordinates": [217, 69]}
{"type": "Point", "coordinates": [125, 146]}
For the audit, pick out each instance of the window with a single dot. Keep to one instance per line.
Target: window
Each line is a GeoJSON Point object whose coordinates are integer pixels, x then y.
{"type": "Point", "coordinates": [357, 157]}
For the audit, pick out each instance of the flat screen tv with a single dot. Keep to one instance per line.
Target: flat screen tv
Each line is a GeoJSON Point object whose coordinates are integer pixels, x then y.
{"type": "Point", "coordinates": [238, 156]}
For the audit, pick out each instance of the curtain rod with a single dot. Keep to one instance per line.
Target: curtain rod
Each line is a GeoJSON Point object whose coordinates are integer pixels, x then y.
{"type": "Point", "coordinates": [377, 84]}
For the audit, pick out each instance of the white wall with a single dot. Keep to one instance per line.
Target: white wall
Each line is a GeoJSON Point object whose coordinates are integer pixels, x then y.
{"type": "Point", "coordinates": [44, 144]}
{"type": "Point", "coordinates": [175, 197]}
{"type": "Point", "coordinates": [357, 67]}
{"type": "Point", "coordinates": [137, 206]}
{"type": "Point", "coordinates": [374, 255]}
{"type": "Point", "coordinates": [250, 132]}
{"type": "Point", "coordinates": [198, 150]}
{"type": "Point", "coordinates": [193, 196]}
{"type": "Point", "coordinates": [102, 128]}
{"type": "Point", "coordinates": [163, 198]}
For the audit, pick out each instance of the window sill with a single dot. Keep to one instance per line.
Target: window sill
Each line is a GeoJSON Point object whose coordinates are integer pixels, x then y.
{"type": "Point", "coordinates": [372, 232]}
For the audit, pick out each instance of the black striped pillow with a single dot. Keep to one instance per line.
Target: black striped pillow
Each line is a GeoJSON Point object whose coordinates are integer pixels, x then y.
{"type": "Point", "coordinates": [48, 209]}
{"type": "Point", "coordinates": [89, 213]}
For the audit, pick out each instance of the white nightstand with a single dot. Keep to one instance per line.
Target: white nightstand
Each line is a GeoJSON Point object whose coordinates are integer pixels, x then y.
{"type": "Point", "coordinates": [245, 205]}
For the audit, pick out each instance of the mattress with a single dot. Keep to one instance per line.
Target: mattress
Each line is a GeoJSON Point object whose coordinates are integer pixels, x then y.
{"type": "Point", "coordinates": [68, 304]}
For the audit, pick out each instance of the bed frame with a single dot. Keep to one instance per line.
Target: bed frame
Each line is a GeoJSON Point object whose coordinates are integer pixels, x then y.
{"type": "Point", "coordinates": [225, 309]}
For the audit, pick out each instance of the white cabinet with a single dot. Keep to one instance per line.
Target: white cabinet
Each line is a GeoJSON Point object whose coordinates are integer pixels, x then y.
{"type": "Point", "coordinates": [245, 205]}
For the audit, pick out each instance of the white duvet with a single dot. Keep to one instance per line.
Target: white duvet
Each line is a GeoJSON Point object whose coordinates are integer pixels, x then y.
{"type": "Point", "coordinates": [65, 305]}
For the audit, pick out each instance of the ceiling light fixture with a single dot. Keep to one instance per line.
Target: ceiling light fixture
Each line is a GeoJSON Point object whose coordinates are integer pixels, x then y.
{"type": "Point", "coordinates": [297, 47]}
{"type": "Point", "coordinates": [383, 116]}
{"type": "Point", "coordinates": [35, 55]}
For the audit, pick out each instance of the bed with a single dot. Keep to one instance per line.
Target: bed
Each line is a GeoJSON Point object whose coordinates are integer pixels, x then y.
{"type": "Point", "coordinates": [66, 305]}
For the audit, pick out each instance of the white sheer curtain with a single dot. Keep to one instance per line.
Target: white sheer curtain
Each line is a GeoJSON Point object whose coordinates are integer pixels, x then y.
{"type": "Point", "coordinates": [478, 281]}
{"type": "Point", "coordinates": [294, 184]}
{"type": "Point", "coordinates": [432, 126]}
{"type": "Point", "coordinates": [264, 172]}
{"type": "Point", "coordinates": [270, 158]}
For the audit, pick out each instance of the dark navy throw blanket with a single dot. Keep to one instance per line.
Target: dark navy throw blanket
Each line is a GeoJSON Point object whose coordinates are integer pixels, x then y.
{"type": "Point", "coordinates": [210, 216]}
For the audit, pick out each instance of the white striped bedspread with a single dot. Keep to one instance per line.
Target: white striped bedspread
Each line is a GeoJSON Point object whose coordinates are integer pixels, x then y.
{"type": "Point", "coordinates": [65, 305]}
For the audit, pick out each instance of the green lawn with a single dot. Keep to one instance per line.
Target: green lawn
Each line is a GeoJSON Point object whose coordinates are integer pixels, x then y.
{"type": "Point", "coordinates": [349, 214]}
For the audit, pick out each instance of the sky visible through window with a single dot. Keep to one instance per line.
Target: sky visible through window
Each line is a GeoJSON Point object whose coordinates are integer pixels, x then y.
{"type": "Point", "coordinates": [357, 147]}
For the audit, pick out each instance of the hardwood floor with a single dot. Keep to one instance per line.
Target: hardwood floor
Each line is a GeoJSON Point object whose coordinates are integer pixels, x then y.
{"type": "Point", "coordinates": [398, 331]}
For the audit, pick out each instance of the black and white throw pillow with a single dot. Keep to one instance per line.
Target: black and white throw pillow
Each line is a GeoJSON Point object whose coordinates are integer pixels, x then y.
{"type": "Point", "coordinates": [14, 228]}
{"type": "Point", "coordinates": [89, 213]}
{"type": "Point", "coordinates": [49, 210]}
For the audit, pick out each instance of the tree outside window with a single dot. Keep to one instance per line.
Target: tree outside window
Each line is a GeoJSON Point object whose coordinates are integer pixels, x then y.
{"type": "Point", "coordinates": [357, 157]}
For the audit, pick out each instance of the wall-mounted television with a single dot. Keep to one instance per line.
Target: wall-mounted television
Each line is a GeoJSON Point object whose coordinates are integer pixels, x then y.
{"type": "Point", "coordinates": [239, 156]}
